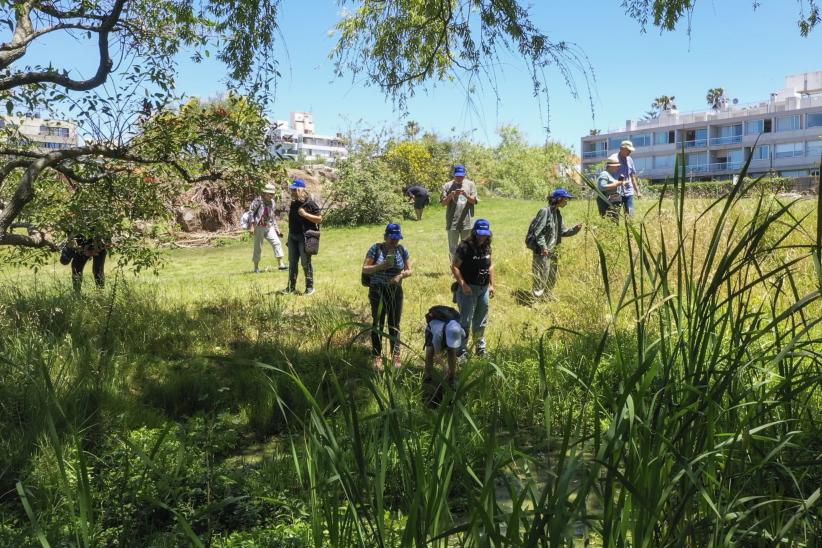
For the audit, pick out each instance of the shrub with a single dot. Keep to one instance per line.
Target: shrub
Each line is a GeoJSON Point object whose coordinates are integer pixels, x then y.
{"type": "Point", "coordinates": [366, 192]}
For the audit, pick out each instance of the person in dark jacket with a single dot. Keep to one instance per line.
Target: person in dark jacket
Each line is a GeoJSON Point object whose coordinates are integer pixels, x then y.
{"type": "Point", "coordinates": [549, 233]}
{"type": "Point", "coordinates": [303, 215]}
{"type": "Point", "coordinates": [386, 264]}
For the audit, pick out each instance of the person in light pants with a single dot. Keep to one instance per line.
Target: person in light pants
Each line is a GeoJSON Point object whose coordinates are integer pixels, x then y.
{"type": "Point", "coordinates": [263, 223]}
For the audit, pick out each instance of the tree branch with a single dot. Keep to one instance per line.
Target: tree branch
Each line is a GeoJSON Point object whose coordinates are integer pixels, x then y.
{"type": "Point", "coordinates": [55, 77]}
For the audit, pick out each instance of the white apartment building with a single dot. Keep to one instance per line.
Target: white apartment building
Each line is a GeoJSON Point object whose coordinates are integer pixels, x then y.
{"type": "Point", "coordinates": [784, 134]}
{"type": "Point", "coordinates": [296, 139]}
{"type": "Point", "coordinates": [46, 134]}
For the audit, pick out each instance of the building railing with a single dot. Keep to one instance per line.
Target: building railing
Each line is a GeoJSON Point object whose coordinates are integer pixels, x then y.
{"type": "Point", "coordinates": [730, 140]}
{"type": "Point", "coordinates": [695, 143]}
{"type": "Point", "coordinates": [788, 154]}
{"type": "Point", "coordinates": [595, 154]}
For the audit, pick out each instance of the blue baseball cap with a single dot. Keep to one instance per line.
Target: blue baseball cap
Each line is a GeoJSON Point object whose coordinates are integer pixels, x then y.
{"type": "Point", "coordinates": [298, 183]}
{"type": "Point", "coordinates": [459, 170]}
{"type": "Point", "coordinates": [393, 231]}
{"type": "Point", "coordinates": [561, 193]}
{"type": "Point", "coordinates": [482, 227]}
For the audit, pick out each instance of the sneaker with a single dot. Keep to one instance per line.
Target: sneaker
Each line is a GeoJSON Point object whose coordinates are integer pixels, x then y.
{"type": "Point", "coordinates": [309, 291]}
{"type": "Point", "coordinates": [481, 352]}
{"type": "Point", "coordinates": [287, 291]}
{"type": "Point", "coordinates": [256, 271]}
{"type": "Point", "coordinates": [377, 364]}
{"type": "Point", "coordinates": [282, 267]}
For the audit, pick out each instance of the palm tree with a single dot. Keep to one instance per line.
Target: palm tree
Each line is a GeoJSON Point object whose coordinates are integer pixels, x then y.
{"type": "Point", "coordinates": [715, 97]}
{"type": "Point", "coordinates": [412, 128]}
{"type": "Point", "coordinates": [661, 104]}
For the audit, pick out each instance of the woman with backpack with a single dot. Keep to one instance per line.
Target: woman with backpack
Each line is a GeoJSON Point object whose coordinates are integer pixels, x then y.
{"type": "Point", "coordinates": [386, 265]}
{"type": "Point", "coordinates": [474, 272]}
{"type": "Point", "coordinates": [544, 236]}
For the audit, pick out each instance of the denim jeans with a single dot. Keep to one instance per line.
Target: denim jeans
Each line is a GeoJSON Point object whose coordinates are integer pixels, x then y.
{"type": "Point", "coordinates": [628, 204]}
{"type": "Point", "coordinates": [297, 256]}
{"type": "Point", "coordinates": [386, 301]}
{"type": "Point", "coordinates": [474, 312]}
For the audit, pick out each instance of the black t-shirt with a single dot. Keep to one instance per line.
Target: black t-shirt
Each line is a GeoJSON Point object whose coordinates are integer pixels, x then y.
{"type": "Point", "coordinates": [418, 190]}
{"type": "Point", "coordinates": [298, 224]}
{"type": "Point", "coordinates": [475, 263]}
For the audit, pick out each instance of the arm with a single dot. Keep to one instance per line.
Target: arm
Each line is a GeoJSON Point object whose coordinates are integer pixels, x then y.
{"type": "Point", "coordinates": [370, 266]}
{"type": "Point", "coordinates": [455, 270]}
{"type": "Point", "coordinates": [447, 195]}
{"type": "Point", "coordinates": [571, 231]}
{"type": "Point", "coordinates": [472, 196]}
{"type": "Point", "coordinates": [635, 182]}
{"type": "Point", "coordinates": [406, 271]}
{"type": "Point", "coordinates": [310, 216]}
{"type": "Point", "coordinates": [491, 280]}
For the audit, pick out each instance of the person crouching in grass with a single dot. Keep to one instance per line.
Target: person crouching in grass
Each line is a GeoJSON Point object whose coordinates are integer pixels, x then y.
{"type": "Point", "coordinates": [443, 334]}
{"type": "Point", "coordinates": [386, 265]}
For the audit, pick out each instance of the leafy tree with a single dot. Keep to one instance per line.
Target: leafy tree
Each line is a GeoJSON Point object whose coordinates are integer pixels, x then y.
{"type": "Point", "coordinates": [666, 14]}
{"type": "Point", "coordinates": [412, 128]}
{"type": "Point", "coordinates": [715, 97]}
{"type": "Point", "coordinates": [133, 146]}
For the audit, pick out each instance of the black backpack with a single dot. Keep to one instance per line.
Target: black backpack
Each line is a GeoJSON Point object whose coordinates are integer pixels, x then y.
{"type": "Point", "coordinates": [442, 313]}
{"type": "Point", "coordinates": [531, 236]}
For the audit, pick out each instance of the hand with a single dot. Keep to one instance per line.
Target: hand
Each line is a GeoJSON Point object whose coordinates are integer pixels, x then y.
{"type": "Point", "coordinates": [279, 233]}
{"type": "Point", "coordinates": [466, 289]}
{"type": "Point", "coordinates": [301, 212]}
{"type": "Point", "coordinates": [578, 226]}
{"type": "Point", "coordinates": [396, 279]}
{"type": "Point", "coordinates": [638, 195]}
{"type": "Point", "coordinates": [491, 291]}
{"type": "Point", "coordinates": [546, 253]}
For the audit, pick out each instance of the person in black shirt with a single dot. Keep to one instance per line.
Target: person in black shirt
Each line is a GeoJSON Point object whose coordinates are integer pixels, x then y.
{"type": "Point", "coordinates": [86, 248]}
{"type": "Point", "coordinates": [304, 214]}
{"type": "Point", "coordinates": [474, 271]}
{"type": "Point", "coordinates": [419, 196]}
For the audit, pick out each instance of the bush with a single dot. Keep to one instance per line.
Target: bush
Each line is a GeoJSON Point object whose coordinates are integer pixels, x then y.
{"type": "Point", "coordinates": [366, 192]}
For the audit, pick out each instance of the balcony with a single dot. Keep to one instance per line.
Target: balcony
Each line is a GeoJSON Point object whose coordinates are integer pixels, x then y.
{"type": "Point", "coordinates": [594, 154]}
{"type": "Point", "coordinates": [731, 140]}
{"type": "Point", "coordinates": [697, 143]}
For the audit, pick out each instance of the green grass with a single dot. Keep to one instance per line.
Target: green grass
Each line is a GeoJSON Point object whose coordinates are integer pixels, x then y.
{"type": "Point", "coordinates": [670, 396]}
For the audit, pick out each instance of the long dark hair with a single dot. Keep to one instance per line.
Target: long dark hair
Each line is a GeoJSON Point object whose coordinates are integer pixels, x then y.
{"type": "Point", "coordinates": [485, 248]}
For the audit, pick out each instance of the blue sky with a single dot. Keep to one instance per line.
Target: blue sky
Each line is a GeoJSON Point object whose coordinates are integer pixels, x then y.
{"type": "Point", "coordinates": [731, 45]}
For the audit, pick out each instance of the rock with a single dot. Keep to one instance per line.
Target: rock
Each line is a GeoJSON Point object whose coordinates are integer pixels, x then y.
{"type": "Point", "coordinates": [188, 219]}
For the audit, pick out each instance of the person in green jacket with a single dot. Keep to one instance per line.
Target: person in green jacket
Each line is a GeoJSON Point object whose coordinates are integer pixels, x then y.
{"type": "Point", "coordinates": [549, 233]}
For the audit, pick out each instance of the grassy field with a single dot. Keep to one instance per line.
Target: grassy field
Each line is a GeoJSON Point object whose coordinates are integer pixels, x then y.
{"type": "Point", "coordinates": [670, 396]}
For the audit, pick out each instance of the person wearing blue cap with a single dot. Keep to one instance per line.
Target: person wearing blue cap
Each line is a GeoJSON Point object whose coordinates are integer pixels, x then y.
{"type": "Point", "coordinates": [386, 265]}
{"type": "Point", "coordinates": [303, 215]}
{"type": "Point", "coordinates": [548, 230]}
{"type": "Point", "coordinates": [459, 195]}
{"type": "Point", "coordinates": [474, 272]}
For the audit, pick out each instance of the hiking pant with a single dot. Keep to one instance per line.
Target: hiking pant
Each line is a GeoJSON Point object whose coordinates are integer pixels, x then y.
{"type": "Point", "coordinates": [98, 265]}
{"type": "Point", "coordinates": [544, 269]}
{"type": "Point", "coordinates": [297, 256]}
{"type": "Point", "coordinates": [268, 233]}
{"type": "Point", "coordinates": [386, 301]}
{"type": "Point", "coordinates": [454, 238]}
{"type": "Point", "coordinates": [474, 312]}
{"type": "Point", "coordinates": [628, 204]}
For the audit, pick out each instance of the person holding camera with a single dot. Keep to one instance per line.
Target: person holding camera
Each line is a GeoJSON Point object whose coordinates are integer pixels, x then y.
{"type": "Point", "coordinates": [459, 195]}
{"type": "Point", "coordinates": [262, 223]}
{"type": "Point", "coordinates": [549, 230]}
{"type": "Point", "coordinates": [386, 265]}
{"type": "Point", "coordinates": [609, 185]}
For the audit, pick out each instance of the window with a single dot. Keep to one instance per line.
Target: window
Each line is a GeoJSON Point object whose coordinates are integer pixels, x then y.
{"type": "Point", "coordinates": [642, 164]}
{"type": "Point", "coordinates": [813, 150]}
{"type": "Point", "coordinates": [736, 156]}
{"type": "Point", "coordinates": [788, 123]}
{"type": "Point", "coordinates": [664, 162]}
{"type": "Point", "coordinates": [664, 137]}
{"type": "Point", "coordinates": [613, 143]}
{"type": "Point", "coordinates": [754, 127]}
{"type": "Point", "coordinates": [697, 159]}
{"type": "Point", "coordinates": [762, 152]}
{"type": "Point", "coordinates": [641, 140]}
{"type": "Point", "coordinates": [788, 150]}
{"type": "Point", "coordinates": [813, 120]}
{"type": "Point", "coordinates": [794, 173]}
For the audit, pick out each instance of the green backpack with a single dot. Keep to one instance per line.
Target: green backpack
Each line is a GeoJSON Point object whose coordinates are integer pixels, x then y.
{"type": "Point", "coordinates": [531, 236]}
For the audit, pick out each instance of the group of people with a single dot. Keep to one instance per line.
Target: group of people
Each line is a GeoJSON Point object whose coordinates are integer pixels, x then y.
{"type": "Point", "coordinates": [388, 262]}
{"type": "Point", "coordinates": [618, 184]}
